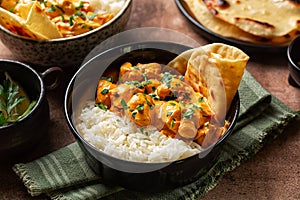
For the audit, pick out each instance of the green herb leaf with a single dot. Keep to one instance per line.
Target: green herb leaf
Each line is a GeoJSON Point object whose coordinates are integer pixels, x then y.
{"type": "Point", "coordinates": [124, 104]}
{"type": "Point", "coordinates": [104, 91]}
{"type": "Point", "coordinates": [71, 20]}
{"type": "Point", "coordinates": [140, 107]}
{"type": "Point", "coordinates": [79, 6]}
{"type": "Point", "coordinates": [101, 106]}
{"type": "Point", "coordinates": [9, 100]}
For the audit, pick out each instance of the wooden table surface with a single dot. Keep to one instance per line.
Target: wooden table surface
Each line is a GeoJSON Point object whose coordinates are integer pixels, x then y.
{"type": "Point", "coordinates": [273, 173]}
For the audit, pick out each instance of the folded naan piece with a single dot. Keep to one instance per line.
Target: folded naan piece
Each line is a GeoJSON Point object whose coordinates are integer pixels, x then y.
{"type": "Point", "coordinates": [215, 70]}
{"type": "Point", "coordinates": [32, 22]}
{"type": "Point", "coordinates": [268, 18]}
{"type": "Point", "coordinates": [17, 25]}
{"type": "Point", "coordinates": [209, 18]}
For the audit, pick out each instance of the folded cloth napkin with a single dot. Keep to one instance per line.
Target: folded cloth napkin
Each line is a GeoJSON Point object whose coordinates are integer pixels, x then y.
{"type": "Point", "coordinates": [64, 174]}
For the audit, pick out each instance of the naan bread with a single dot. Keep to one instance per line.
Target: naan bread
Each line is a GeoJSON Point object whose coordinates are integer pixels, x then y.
{"type": "Point", "coordinates": [215, 70]}
{"type": "Point", "coordinates": [32, 22]}
{"type": "Point", "coordinates": [217, 25]}
{"type": "Point", "coordinates": [17, 25]}
{"type": "Point", "coordinates": [268, 18]}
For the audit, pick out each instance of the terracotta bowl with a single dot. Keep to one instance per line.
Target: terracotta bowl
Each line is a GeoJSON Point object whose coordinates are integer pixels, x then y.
{"type": "Point", "coordinates": [63, 52]}
{"type": "Point", "coordinates": [18, 138]}
{"type": "Point", "coordinates": [137, 175]}
{"type": "Point", "coordinates": [293, 54]}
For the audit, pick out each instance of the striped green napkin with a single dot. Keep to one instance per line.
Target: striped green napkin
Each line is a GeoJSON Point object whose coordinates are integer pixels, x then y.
{"type": "Point", "coordinates": [64, 174]}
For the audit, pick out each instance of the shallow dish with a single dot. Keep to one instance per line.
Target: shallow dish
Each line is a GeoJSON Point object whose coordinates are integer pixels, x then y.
{"type": "Point", "coordinates": [208, 34]}
{"type": "Point", "coordinates": [137, 175]}
{"type": "Point", "coordinates": [63, 52]}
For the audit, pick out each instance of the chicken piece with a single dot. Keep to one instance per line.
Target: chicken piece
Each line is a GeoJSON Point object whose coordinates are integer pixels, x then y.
{"type": "Point", "coordinates": [130, 73]}
{"type": "Point", "coordinates": [103, 92]}
{"type": "Point", "coordinates": [164, 92]}
{"type": "Point", "coordinates": [67, 6]}
{"type": "Point", "coordinates": [190, 121]}
{"type": "Point", "coordinates": [187, 129]}
{"type": "Point", "coordinates": [206, 112]}
{"type": "Point", "coordinates": [120, 96]}
{"type": "Point", "coordinates": [139, 107]}
{"type": "Point", "coordinates": [150, 70]}
{"type": "Point", "coordinates": [182, 91]}
{"type": "Point", "coordinates": [151, 85]}
{"type": "Point", "coordinates": [171, 116]}
{"type": "Point", "coordinates": [201, 133]}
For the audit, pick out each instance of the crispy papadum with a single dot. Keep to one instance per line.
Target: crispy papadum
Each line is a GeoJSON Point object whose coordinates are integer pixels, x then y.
{"type": "Point", "coordinates": [268, 18]}
{"type": "Point", "coordinates": [214, 70]}
{"type": "Point", "coordinates": [208, 19]}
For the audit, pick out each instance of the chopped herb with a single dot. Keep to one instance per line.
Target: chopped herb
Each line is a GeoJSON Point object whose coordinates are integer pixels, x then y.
{"type": "Point", "coordinates": [80, 14]}
{"type": "Point", "coordinates": [135, 83]}
{"type": "Point", "coordinates": [109, 79]}
{"type": "Point", "coordinates": [189, 113]}
{"type": "Point", "coordinates": [71, 20]}
{"type": "Point", "coordinates": [169, 114]}
{"type": "Point", "coordinates": [149, 103]}
{"type": "Point", "coordinates": [176, 93]}
{"type": "Point", "coordinates": [104, 91]}
{"type": "Point", "coordinates": [43, 2]}
{"type": "Point", "coordinates": [124, 104]}
{"type": "Point", "coordinates": [62, 17]}
{"type": "Point", "coordinates": [167, 78]}
{"type": "Point", "coordinates": [172, 123]}
{"type": "Point", "coordinates": [134, 114]}
{"type": "Point", "coordinates": [118, 120]}
{"type": "Point", "coordinates": [172, 104]}
{"type": "Point", "coordinates": [135, 67]}
{"type": "Point", "coordinates": [60, 8]}
{"type": "Point", "coordinates": [51, 9]}
{"type": "Point", "coordinates": [206, 124]}
{"type": "Point", "coordinates": [154, 96]}
{"type": "Point", "coordinates": [79, 6]}
{"type": "Point", "coordinates": [101, 106]}
{"type": "Point", "coordinates": [92, 16]}
{"type": "Point", "coordinates": [143, 131]}
{"type": "Point", "coordinates": [181, 78]}
{"type": "Point", "coordinates": [140, 107]}
{"type": "Point", "coordinates": [178, 84]}
{"type": "Point", "coordinates": [144, 77]}
{"type": "Point", "coordinates": [187, 96]}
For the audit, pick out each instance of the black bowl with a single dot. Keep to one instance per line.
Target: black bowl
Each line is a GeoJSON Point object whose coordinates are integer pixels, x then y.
{"type": "Point", "coordinates": [293, 54]}
{"type": "Point", "coordinates": [18, 138]}
{"type": "Point", "coordinates": [135, 175]}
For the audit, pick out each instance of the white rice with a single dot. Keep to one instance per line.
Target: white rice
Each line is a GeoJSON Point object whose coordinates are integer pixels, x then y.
{"type": "Point", "coordinates": [121, 138]}
{"type": "Point", "coordinates": [107, 6]}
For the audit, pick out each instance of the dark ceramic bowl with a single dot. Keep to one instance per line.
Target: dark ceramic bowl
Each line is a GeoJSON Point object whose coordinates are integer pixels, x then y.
{"type": "Point", "coordinates": [19, 138]}
{"type": "Point", "coordinates": [63, 52]}
{"type": "Point", "coordinates": [136, 175]}
{"type": "Point", "coordinates": [293, 54]}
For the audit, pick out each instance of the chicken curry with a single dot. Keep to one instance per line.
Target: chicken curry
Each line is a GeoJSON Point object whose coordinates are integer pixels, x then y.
{"type": "Point", "coordinates": [154, 94]}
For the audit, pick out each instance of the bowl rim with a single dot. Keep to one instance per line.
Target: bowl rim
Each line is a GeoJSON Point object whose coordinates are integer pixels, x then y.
{"type": "Point", "coordinates": [290, 50]}
{"type": "Point", "coordinates": [126, 6]}
{"type": "Point", "coordinates": [69, 90]}
{"type": "Point", "coordinates": [41, 95]}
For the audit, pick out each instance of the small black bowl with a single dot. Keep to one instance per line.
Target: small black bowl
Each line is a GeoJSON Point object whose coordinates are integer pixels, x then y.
{"type": "Point", "coordinates": [149, 177]}
{"type": "Point", "coordinates": [293, 53]}
{"type": "Point", "coordinates": [18, 138]}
